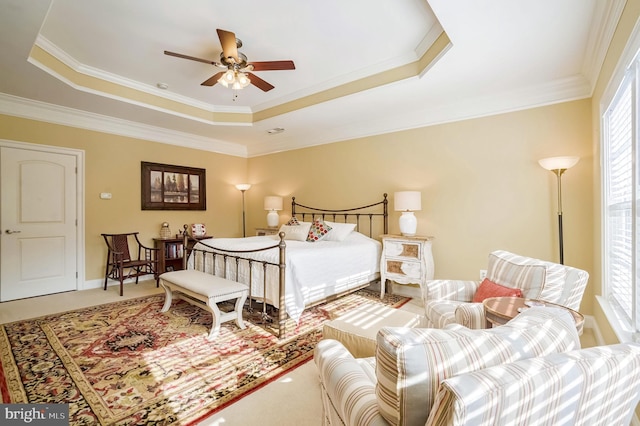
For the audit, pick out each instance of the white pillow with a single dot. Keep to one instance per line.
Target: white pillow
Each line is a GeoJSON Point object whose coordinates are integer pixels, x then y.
{"type": "Point", "coordinates": [296, 232]}
{"type": "Point", "coordinates": [339, 231]}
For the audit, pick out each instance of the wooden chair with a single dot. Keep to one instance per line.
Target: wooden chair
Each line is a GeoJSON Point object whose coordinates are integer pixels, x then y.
{"type": "Point", "coordinates": [120, 264]}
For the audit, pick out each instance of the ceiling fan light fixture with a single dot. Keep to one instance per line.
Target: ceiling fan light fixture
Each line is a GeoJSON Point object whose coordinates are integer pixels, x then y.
{"type": "Point", "coordinates": [234, 79]}
{"type": "Point", "coordinates": [243, 79]}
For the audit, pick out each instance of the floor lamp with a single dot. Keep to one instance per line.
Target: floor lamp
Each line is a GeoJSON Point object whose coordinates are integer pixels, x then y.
{"type": "Point", "coordinates": [242, 187]}
{"type": "Point", "coordinates": [559, 165]}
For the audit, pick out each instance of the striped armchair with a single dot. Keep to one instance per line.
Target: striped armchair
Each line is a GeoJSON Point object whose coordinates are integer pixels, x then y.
{"type": "Point", "coordinates": [450, 301]}
{"type": "Point", "coordinates": [529, 371]}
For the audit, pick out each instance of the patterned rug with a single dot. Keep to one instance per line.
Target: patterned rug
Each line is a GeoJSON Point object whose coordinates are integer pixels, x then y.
{"type": "Point", "coordinates": [126, 363]}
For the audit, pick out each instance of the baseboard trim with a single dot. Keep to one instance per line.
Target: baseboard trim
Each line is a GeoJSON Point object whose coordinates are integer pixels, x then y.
{"type": "Point", "coordinates": [99, 283]}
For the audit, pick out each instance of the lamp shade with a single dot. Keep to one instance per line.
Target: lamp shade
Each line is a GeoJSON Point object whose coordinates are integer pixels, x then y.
{"type": "Point", "coordinates": [558, 163]}
{"type": "Point", "coordinates": [407, 201]}
{"type": "Point", "coordinates": [273, 202]}
{"type": "Point", "coordinates": [243, 186]}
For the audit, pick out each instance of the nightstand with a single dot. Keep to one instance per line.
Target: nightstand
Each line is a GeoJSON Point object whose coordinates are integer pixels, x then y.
{"type": "Point", "coordinates": [405, 260]}
{"type": "Point", "coordinates": [266, 231]}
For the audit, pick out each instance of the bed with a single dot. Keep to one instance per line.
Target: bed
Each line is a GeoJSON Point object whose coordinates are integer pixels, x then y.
{"type": "Point", "coordinates": [286, 270]}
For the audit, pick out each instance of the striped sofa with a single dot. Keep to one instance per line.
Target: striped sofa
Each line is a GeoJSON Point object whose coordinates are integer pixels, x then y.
{"type": "Point", "coordinates": [529, 371]}
{"type": "Point", "coordinates": [450, 301]}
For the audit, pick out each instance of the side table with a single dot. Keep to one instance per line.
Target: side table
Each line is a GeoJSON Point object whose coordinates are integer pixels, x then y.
{"type": "Point", "coordinates": [500, 310]}
{"type": "Point", "coordinates": [405, 260]}
{"type": "Point", "coordinates": [171, 251]}
{"type": "Point", "coordinates": [267, 231]}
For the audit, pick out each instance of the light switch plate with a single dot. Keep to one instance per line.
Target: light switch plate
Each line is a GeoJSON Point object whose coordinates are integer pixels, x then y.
{"type": "Point", "coordinates": [105, 195]}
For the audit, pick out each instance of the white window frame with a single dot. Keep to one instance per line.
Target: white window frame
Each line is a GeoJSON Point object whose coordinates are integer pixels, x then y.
{"type": "Point", "coordinates": [626, 327]}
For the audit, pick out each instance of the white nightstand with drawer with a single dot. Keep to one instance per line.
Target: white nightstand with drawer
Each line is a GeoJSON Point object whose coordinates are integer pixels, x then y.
{"type": "Point", "coordinates": [266, 231]}
{"type": "Point", "coordinates": [405, 260]}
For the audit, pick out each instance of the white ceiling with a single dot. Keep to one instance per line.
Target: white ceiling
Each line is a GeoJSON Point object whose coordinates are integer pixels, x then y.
{"type": "Point", "coordinates": [504, 55]}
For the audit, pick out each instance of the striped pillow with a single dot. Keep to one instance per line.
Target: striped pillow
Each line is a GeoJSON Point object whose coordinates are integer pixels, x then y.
{"type": "Point", "coordinates": [411, 362]}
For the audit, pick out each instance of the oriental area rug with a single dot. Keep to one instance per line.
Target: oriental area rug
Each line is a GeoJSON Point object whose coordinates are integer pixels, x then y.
{"type": "Point", "coordinates": [127, 363]}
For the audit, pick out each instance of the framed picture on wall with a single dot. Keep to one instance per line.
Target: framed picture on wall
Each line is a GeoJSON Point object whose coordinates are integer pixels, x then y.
{"type": "Point", "coordinates": [168, 187]}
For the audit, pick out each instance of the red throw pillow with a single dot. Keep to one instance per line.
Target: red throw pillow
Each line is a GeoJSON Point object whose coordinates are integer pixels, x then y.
{"type": "Point", "coordinates": [490, 289]}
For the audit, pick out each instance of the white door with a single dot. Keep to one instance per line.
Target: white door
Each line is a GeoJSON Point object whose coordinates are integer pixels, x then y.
{"type": "Point", "coordinates": [38, 223]}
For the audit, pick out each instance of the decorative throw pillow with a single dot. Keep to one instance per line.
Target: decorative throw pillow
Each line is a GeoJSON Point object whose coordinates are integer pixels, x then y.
{"type": "Point", "coordinates": [318, 230]}
{"type": "Point", "coordinates": [295, 232]}
{"type": "Point", "coordinates": [490, 289]}
{"type": "Point", "coordinates": [339, 231]}
{"type": "Point", "coordinates": [293, 221]}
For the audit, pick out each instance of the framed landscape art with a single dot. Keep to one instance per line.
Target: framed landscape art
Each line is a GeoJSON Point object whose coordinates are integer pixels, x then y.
{"type": "Point", "coordinates": [168, 187]}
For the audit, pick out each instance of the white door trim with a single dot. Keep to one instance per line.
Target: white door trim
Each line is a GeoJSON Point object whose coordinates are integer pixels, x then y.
{"type": "Point", "coordinates": [79, 154]}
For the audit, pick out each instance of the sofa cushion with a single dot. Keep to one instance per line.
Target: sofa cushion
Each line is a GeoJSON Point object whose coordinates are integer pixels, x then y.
{"type": "Point", "coordinates": [411, 363]}
{"type": "Point", "coordinates": [599, 385]}
{"type": "Point", "coordinates": [490, 289]}
{"type": "Point", "coordinates": [512, 270]}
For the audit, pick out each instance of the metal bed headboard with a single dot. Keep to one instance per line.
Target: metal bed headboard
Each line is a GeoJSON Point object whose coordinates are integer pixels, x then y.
{"type": "Point", "coordinates": [368, 212]}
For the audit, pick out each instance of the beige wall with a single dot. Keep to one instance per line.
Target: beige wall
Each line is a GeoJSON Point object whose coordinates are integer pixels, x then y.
{"type": "Point", "coordinates": [482, 188]}
{"type": "Point", "coordinates": [112, 164]}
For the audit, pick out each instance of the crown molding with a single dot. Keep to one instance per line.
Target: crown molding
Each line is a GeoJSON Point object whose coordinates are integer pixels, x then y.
{"type": "Point", "coordinates": [600, 36]}
{"type": "Point", "coordinates": [565, 90]}
{"type": "Point", "coordinates": [81, 68]}
{"type": "Point", "coordinates": [42, 111]}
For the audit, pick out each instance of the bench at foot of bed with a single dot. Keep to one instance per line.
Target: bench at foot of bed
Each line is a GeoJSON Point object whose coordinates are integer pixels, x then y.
{"type": "Point", "coordinates": [205, 291]}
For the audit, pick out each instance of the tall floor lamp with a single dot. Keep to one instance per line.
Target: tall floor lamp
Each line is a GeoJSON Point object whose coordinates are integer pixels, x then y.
{"type": "Point", "coordinates": [242, 187]}
{"type": "Point", "coordinates": [559, 165]}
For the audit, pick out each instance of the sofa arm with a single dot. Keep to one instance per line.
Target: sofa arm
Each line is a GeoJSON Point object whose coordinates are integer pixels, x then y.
{"type": "Point", "coordinates": [348, 389]}
{"type": "Point", "coordinates": [458, 290]}
{"type": "Point", "coordinates": [471, 315]}
{"type": "Point", "coordinates": [599, 385]}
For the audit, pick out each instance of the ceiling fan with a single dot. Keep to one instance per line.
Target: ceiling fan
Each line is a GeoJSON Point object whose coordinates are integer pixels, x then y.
{"type": "Point", "coordinates": [238, 69]}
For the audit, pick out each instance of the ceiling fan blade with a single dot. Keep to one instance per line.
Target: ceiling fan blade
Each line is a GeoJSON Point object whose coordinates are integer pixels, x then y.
{"type": "Point", "coordinates": [259, 83]}
{"type": "Point", "coordinates": [228, 42]}
{"type": "Point", "coordinates": [212, 80]}
{"type": "Point", "coordinates": [273, 65]}
{"type": "Point", "coordinates": [193, 58]}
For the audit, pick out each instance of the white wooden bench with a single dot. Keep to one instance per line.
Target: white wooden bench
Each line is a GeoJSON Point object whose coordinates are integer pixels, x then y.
{"type": "Point", "coordinates": [205, 291]}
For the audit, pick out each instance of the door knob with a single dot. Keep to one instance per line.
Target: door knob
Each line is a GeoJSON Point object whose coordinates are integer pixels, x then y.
{"type": "Point", "coordinates": [9, 231]}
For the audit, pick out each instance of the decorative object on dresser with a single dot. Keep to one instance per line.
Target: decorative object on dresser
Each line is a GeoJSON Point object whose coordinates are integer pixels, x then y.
{"type": "Point", "coordinates": [407, 202]}
{"type": "Point", "coordinates": [559, 165]}
{"type": "Point", "coordinates": [197, 230]}
{"type": "Point", "coordinates": [261, 232]}
{"type": "Point", "coordinates": [167, 187]}
{"type": "Point", "coordinates": [273, 203]}
{"type": "Point", "coordinates": [242, 187]}
{"type": "Point", "coordinates": [121, 265]}
{"type": "Point", "coordinates": [405, 260]}
{"type": "Point", "coordinates": [165, 231]}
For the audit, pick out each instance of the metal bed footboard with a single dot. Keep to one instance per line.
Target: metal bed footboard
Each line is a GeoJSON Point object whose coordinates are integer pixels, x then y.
{"type": "Point", "coordinates": [207, 261]}
{"type": "Point", "coordinates": [235, 258]}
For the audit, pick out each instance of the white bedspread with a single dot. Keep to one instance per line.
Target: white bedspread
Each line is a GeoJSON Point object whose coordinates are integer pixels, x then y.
{"type": "Point", "coordinates": [313, 270]}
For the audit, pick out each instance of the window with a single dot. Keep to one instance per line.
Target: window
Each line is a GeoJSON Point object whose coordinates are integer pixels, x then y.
{"type": "Point", "coordinates": [620, 171]}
